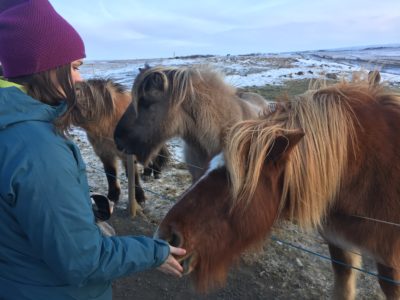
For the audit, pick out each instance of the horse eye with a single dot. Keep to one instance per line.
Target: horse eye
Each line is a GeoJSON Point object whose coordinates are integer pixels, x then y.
{"type": "Point", "coordinates": [145, 104]}
{"type": "Point", "coordinates": [175, 240]}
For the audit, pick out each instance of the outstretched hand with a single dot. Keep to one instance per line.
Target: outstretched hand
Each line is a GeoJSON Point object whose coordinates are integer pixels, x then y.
{"type": "Point", "coordinates": [171, 266]}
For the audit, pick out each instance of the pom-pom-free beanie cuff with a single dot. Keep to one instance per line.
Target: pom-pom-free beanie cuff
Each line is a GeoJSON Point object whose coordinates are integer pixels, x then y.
{"type": "Point", "coordinates": [35, 38]}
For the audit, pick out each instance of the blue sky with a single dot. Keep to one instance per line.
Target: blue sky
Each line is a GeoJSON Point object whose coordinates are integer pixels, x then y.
{"type": "Point", "coordinates": [129, 29]}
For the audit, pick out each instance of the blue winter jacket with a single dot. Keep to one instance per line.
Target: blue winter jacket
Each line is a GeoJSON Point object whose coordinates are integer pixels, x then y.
{"type": "Point", "coordinates": [50, 246]}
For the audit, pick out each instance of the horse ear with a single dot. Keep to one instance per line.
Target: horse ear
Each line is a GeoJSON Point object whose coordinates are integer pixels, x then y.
{"type": "Point", "coordinates": [284, 145]}
{"type": "Point", "coordinates": [154, 81]}
{"type": "Point", "coordinates": [374, 77]}
{"type": "Point", "coordinates": [146, 67]}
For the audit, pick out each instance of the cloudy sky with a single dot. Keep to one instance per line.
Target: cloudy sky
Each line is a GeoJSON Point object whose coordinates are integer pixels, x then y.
{"type": "Point", "coordinates": [124, 29]}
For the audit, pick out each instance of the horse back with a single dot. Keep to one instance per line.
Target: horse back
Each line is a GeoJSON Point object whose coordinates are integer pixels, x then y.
{"type": "Point", "coordinates": [251, 103]}
{"type": "Point", "coordinates": [375, 159]}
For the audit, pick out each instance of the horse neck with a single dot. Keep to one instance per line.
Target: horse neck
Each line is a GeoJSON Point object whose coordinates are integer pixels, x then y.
{"type": "Point", "coordinates": [206, 124]}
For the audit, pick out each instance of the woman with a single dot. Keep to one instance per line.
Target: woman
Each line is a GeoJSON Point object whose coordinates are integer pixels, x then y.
{"type": "Point", "coordinates": [50, 246]}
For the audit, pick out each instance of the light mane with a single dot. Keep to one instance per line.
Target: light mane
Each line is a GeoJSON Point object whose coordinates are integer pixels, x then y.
{"type": "Point", "coordinates": [185, 83]}
{"type": "Point", "coordinates": [313, 174]}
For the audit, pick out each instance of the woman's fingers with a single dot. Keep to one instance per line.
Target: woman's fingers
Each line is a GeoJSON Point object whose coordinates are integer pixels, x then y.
{"type": "Point", "coordinates": [177, 251]}
{"type": "Point", "coordinates": [171, 265]}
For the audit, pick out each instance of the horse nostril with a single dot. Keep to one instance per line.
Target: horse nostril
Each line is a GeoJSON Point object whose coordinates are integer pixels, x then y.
{"type": "Point", "coordinates": [175, 240]}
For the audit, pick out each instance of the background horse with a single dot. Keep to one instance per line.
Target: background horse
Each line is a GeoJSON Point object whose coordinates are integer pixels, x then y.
{"type": "Point", "coordinates": [100, 104]}
{"type": "Point", "coordinates": [328, 159]}
{"type": "Point", "coordinates": [193, 103]}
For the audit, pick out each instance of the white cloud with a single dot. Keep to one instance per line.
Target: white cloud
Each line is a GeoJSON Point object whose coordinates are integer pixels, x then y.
{"type": "Point", "coordinates": [130, 29]}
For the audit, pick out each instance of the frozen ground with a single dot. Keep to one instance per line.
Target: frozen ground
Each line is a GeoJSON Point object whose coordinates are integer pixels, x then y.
{"type": "Point", "coordinates": [280, 271]}
{"type": "Point", "coordinates": [261, 69]}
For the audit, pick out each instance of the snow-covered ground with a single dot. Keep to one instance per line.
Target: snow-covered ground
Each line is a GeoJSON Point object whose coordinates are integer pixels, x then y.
{"type": "Point", "coordinates": [262, 69]}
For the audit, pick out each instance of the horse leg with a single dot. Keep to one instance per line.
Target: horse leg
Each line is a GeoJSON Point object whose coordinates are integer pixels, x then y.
{"type": "Point", "coordinates": [345, 276]}
{"type": "Point", "coordinates": [156, 169]}
{"type": "Point", "coordinates": [147, 171]}
{"type": "Point", "coordinates": [196, 160]}
{"type": "Point", "coordinates": [390, 289]}
{"type": "Point", "coordinates": [160, 161]}
{"type": "Point", "coordinates": [139, 193]}
{"type": "Point", "coordinates": [110, 168]}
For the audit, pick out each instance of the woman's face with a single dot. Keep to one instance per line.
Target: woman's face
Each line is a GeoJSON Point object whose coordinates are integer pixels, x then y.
{"type": "Point", "coordinates": [75, 74]}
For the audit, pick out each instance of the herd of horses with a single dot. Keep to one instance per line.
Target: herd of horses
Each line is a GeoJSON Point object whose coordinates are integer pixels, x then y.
{"type": "Point", "coordinates": [327, 159]}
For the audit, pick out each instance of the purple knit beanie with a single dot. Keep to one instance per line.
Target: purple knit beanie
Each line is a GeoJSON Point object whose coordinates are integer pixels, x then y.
{"type": "Point", "coordinates": [35, 38]}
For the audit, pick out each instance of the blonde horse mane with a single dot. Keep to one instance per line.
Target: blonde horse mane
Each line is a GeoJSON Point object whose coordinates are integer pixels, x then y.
{"type": "Point", "coordinates": [314, 172]}
{"type": "Point", "coordinates": [184, 83]}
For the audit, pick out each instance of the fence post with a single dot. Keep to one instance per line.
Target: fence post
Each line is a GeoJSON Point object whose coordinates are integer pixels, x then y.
{"type": "Point", "coordinates": [132, 204]}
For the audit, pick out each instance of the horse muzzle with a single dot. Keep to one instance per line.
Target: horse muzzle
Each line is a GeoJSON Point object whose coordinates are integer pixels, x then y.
{"type": "Point", "coordinates": [188, 263]}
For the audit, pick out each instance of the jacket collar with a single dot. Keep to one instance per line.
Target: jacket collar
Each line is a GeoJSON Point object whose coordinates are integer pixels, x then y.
{"type": "Point", "coordinates": [5, 84]}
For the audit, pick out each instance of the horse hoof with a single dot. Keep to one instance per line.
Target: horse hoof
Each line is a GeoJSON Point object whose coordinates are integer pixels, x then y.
{"type": "Point", "coordinates": [141, 202]}
{"type": "Point", "coordinates": [145, 177]}
{"type": "Point", "coordinates": [113, 196]}
{"type": "Point", "coordinates": [140, 198]}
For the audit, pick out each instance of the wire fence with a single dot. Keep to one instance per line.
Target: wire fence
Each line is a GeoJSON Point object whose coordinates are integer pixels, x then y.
{"type": "Point", "coordinates": [283, 242]}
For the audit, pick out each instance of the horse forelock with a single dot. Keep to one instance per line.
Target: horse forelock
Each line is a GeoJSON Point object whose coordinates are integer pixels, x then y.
{"type": "Point", "coordinates": [314, 173]}
{"type": "Point", "coordinates": [149, 80]}
{"type": "Point", "coordinates": [249, 144]}
{"type": "Point", "coordinates": [143, 82]}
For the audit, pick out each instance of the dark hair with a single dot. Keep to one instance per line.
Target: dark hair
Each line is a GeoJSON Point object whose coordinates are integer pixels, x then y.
{"type": "Point", "coordinates": [52, 87]}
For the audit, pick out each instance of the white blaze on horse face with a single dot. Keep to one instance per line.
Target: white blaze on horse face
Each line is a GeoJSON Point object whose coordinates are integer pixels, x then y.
{"type": "Point", "coordinates": [216, 163]}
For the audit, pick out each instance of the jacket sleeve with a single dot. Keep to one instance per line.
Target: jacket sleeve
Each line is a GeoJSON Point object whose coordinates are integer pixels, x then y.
{"type": "Point", "coordinates": [53, 207]}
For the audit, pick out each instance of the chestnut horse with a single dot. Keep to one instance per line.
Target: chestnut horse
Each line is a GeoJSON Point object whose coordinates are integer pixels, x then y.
{"type": "Point", "coordinates": [100, 105]}
{"type": "Point", "coordinates": [193, 103]}
{"type": "Point", "coordinates": [328, 159]}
